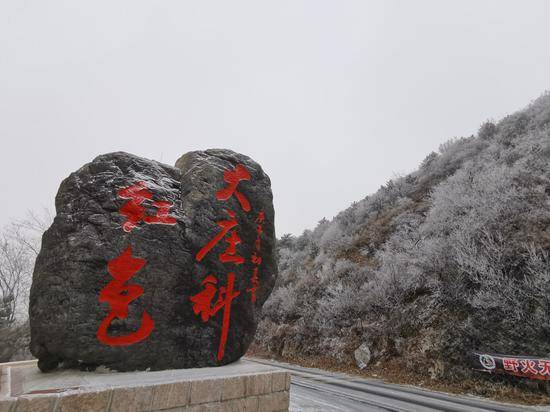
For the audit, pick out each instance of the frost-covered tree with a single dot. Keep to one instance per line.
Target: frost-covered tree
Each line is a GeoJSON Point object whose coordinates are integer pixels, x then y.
{"type": "Point", "coordinates": [451, 258]}
{"type": "Point", "coordinates": [19, 246]}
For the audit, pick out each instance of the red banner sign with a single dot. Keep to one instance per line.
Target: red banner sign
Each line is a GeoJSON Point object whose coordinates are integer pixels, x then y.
{"type": "Point", "coordinates": [521, 366]}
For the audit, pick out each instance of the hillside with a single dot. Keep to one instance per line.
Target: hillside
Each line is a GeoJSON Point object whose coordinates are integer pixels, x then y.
{"type": "Point", "coordinates": [451, 258]}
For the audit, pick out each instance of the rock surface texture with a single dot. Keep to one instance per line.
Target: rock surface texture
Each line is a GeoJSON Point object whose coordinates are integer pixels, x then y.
{"type": "Point", "coordinates": [363, 356]}
{"type": "Point", "coordinates": [148, 266]}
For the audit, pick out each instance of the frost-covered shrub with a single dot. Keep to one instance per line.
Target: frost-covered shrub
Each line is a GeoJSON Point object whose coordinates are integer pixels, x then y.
{"type": "Point", "coordinates": [539, 111]}
{"type": "Point", "coordinates": [331, 237]}
{"type": "Point", "coordinates": [487, 131]}
{"type": "Point", "coordinates": [428, 160]}
{"type": "Point", "coordinates": [281, 305]}
{"type": "Point", "coordinates": [451, 258]}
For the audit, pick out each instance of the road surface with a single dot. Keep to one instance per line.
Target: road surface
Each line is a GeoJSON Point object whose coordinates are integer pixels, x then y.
{"type": "Point", "coordinates": [319, 390]}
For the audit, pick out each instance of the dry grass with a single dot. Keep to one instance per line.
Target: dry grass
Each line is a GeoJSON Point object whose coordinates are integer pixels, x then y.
{"type": "Point", "coordinates": [394, 371]}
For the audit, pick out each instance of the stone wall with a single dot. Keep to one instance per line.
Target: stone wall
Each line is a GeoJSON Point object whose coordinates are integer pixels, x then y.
{"type": "Point", "coordinates": [267, 390]}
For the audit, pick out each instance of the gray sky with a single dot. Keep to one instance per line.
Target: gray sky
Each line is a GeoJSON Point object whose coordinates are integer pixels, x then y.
{"type": "Point", "coordinates": [332, 98]}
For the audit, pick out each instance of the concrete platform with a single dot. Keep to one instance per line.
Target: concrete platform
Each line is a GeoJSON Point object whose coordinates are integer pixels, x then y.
{"type": "Point", "coordinates": [240, 386]}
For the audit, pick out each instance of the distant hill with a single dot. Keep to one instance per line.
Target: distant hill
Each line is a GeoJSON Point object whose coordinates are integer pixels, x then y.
{"type": "Point", "coordinates": [451, 258]}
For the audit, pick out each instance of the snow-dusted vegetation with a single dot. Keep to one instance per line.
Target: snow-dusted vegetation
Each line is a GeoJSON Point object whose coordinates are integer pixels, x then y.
{"type": "Point", "coordinates": [451, 258]}
{"type": "Point", "coordinates": [19, 246]}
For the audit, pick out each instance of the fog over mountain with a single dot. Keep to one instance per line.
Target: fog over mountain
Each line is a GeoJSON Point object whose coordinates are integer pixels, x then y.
{"type": "Point", "coordinates": [330, 97]}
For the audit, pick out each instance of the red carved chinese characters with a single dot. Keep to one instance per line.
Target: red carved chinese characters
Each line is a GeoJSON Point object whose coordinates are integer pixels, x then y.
{"type": "Point", "coordinates": [226, 226]}
{"type": "Point", "coordinates": [233, 177]}
{"type": "Point", "coordinates": [135, 211]}
{"type": "Point", "coordinates": [256, 260]}
{"type": "Point", "coordinates": [230, 254]}
{"type": "Point", "coordinates": [118, 296]}
{"type": "Point", "coordinates": [116, 293]}
{"type": "Point", "coordinates": [202, 304]}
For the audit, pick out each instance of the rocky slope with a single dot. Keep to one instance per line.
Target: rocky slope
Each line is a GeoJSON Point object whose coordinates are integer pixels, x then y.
{"type": "Point", "coordinates": [451, 258]}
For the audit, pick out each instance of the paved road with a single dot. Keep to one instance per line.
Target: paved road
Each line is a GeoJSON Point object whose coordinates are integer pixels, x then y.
{"type": "Point", "coordinates": [319, 390]}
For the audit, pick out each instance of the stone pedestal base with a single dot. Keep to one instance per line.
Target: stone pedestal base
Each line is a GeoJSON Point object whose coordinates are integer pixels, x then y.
{"type": "Point", "coordinates": [241, 386]}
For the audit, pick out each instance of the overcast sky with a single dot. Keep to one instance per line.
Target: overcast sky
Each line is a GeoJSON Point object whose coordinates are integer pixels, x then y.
{"type": "Point", "coordinates": [332, 98]}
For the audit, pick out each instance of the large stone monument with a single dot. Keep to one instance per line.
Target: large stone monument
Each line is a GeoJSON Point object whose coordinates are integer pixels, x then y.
{"type": "Point", "coordinates": [152, 267]}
